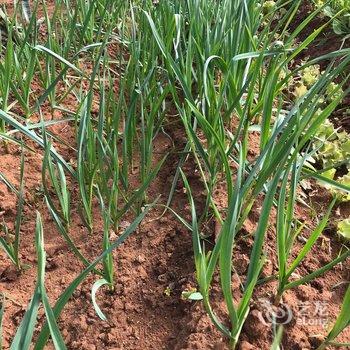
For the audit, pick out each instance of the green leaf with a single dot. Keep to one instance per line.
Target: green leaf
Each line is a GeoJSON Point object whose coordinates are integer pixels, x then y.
{"type": "Point", "coordinates": [54, 331]}
{"type": "Point", "coordinates": [324, 179]}
{"type": "Point", "coordinates": [60, 58]}
{"type": "Point", "coordinates": [343, 320]}
{"type": "Point", "coordinates": [311, 241]}
{"type": "Point", "coordinates": [96, 286]}
{"type": "Point", "coordinates": [51, 320]}
{"type": "Point", "coordinates": [344, 228]}
{"type": "Point", "coordinates": [308, 278]}
{"type": "Point", "coordinates": [24, 334]}
{"type": "Point", "coordinates": [8, 248]}
{"type": "Point", "coordinates": [192, 295]}
{"type": "Point", "coordinates": [33, 136]}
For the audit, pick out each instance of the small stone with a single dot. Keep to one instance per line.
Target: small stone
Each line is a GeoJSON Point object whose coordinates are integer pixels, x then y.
{"type": "Point", "coordinates": [242, 264]}
{"type": "Point", "coordinates": [90, 320]}
{"type": "Point", "coordinates": [316, 340]}
{"type": "Point", "coordinates": [163, 219]}
{"type": "Point", "coordinates": [162, 278]}
{"type": "Point", "coordinates": [83, 323]}
{"type": "Point", "coordinates": [304, 292]}
{"type": "Point", "coordinates": [124, 225]}
{"type": "Point", "coordinates": [129, 306]}
{"type": "Point", "coordinates": [140, 259]}
{"type": "Point", "coordinates": [220, 346]}
{"type": "Point", "coordinates": [112, 235]}
{"type": "Point", "coordinates": [10, 274]}
{"type": "Point", "coordinates": [51, 264]}
{"type": "Point", "coordinates": [246, 346]}
{"type": "Point", "coordinates": [253, 325]}
{"type": "Point", "coordinates": [317, 285]}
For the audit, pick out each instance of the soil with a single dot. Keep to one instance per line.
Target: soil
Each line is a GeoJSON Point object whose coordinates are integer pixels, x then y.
{"type": "Point", "coordinates": [155, 265]}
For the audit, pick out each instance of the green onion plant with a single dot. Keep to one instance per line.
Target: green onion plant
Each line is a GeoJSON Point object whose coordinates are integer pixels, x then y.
{"type": "Point", "coordinates": [11, 243]}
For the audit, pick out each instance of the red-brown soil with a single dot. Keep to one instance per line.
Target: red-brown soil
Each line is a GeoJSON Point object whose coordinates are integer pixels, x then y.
{"type": "Point", "coordinates": [158, 257]}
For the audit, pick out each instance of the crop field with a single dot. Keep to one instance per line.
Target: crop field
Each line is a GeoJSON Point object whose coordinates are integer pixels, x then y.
{"type": "Point", "coordinates": [175, 174]}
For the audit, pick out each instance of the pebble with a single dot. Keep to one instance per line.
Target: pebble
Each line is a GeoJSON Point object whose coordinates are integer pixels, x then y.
{"type": "Point", "coordinates": [83, 323]}
{"type": "Point", "coordinates": [246, 346]}
{"type": "Point", "coordinates": [140, 259]}
{"type": "Point", "coordinates": [162, 277]}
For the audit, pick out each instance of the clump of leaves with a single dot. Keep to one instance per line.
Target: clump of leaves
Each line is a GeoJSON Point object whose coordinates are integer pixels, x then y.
{"type": "Point", "coordinates": [269, 6]}
{"type": "Point", "coordinates": [344, 228]}
{"type": "Point", "coordinates": [332, 146]}
{"type": "Point", "coordinates": [308, 77]}
{"type": "Point", "coordinates": [339, 11]}
{"type": "Point", "coordinates": [339, 192]}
